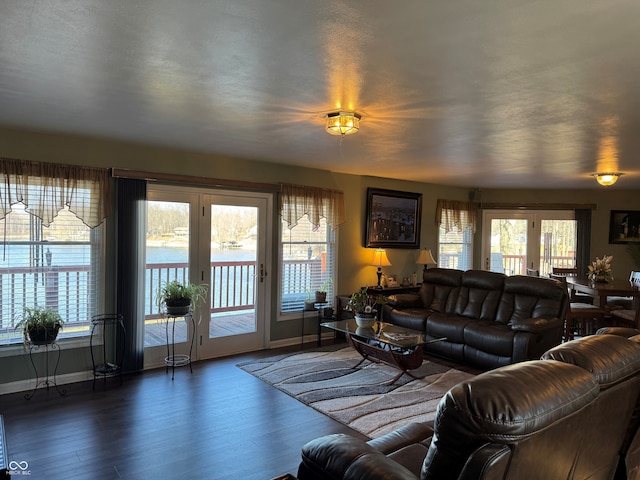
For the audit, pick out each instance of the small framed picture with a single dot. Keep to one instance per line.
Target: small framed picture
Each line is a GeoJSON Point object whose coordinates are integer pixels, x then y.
{"type": "Point", "coordinates": [624, 226]}
{"type": "Point", "coordinates": [392, 281]}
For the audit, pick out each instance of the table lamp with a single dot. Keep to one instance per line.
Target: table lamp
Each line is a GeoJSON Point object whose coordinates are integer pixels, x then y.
{"type": "Point", "coordinates": [380, 260]}
{"type": "Point", "coordinates": [425, 258]}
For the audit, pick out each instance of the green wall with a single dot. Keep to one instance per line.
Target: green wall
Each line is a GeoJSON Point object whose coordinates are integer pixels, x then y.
{"type": "Point", "coordinates": [353, 258]}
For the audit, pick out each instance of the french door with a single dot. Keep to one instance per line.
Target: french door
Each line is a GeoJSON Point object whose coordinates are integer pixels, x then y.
{"type": "Point", "coordinates": [212, 237]}
{"type": "Point", "coordinates": [516, 240]}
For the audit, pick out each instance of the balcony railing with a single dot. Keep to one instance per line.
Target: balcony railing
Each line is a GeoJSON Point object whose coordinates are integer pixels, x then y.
{"type": "Point", "coordinates": [67, 289]}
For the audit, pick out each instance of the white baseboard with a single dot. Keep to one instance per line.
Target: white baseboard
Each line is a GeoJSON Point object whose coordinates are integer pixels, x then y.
{"type": "Point", "coordinates": [27, 385]}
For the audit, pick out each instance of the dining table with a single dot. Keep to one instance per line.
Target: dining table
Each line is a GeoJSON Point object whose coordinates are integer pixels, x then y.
{"type": "Point", "coordinates": [601, 290]}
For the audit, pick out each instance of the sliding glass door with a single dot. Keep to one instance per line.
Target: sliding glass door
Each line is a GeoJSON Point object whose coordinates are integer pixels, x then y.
{"type": "Point", "coordinates": [216, 238]}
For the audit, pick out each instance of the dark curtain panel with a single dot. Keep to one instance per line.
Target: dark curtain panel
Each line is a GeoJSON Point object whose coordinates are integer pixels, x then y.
{"type": "Point", "coordinates": [583, 234]}
{"type": "Point", "coordinates": [130, 265]}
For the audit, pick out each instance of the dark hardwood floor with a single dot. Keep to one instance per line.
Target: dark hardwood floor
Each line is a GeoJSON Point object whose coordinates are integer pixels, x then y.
{"type": "Point", "coordinates": [217, 423]}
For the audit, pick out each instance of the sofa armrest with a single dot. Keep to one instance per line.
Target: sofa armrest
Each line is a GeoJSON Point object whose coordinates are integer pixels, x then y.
{"type": "Point", "coordinates": [404, 300]}
{"type": "Point", "coordinates": [340, 456]}
{"type": "Point", "coordinates": [536, 325]}
{"type": "Point", "coordinates": [417, 432]}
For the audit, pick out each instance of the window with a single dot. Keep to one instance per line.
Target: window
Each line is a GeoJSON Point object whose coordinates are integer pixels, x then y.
{"type": "Point", "coordinates": [52, 252]}
{"type": "Point", "coordinates": [455, 249]}
{"type": "Point", "coordinates": [308, 243]}
{"type": "Point", "coordinates": [57, 266]}
{"type": "Point", "coordinates": [457, 221]}
{"type": "Point", "coordinates": [308, 263]}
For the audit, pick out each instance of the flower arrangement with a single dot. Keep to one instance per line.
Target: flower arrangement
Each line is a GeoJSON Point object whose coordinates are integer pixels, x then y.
{"type": "Point", "coordinates": [600, 269]}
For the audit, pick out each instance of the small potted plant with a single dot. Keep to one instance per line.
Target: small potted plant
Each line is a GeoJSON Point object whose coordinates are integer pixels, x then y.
{"type": "Point", "coordinates": [308, 303]}
{"type": "Point", "coordinates": [179, 298]}
{"type": "Point", "coordinates": [363, 307]}
{"type": "Point", "coordinates": [40, 325]}
{"type": "Point", "coordinates": [321, 294]}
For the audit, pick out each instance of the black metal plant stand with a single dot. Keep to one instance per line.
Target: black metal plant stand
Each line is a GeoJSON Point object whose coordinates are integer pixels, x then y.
{"type": "Point", "coordinates": [174, 359]}
{"type": "Point", "coordinates": [47, 382]}
{"type": "Point", "coordinates": [111, 359]}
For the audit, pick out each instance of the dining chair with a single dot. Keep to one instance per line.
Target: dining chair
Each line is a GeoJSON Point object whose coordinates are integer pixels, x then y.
{"type": "Point", "coordinates": [627, 317]}
{"type": "Point", "coordinates": [625, 303]}
{"type": "Point", "coordinates": [572, 272]}
{"type": "Point", "coordinates": [582, 318]}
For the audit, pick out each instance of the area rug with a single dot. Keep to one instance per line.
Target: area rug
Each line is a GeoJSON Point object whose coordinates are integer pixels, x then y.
{"type": "Point", "coordinates": [359, 398]}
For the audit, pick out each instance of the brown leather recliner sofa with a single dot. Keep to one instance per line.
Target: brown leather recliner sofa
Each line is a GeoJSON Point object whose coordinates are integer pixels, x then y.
{"type": "Point", "coordinates": [570, 415]}
{"type": "Point", "coordinates": [488, 319]}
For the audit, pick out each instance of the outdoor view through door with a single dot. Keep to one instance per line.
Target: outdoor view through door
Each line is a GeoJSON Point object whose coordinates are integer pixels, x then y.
{"type": "Point", "coordinates": [514, 241]}
{"type": "Point", "coordinates": [216, 239]}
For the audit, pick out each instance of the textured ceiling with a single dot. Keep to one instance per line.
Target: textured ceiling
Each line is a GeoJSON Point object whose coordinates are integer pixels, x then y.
{"type": "Point", "coordinates": [536, 94]}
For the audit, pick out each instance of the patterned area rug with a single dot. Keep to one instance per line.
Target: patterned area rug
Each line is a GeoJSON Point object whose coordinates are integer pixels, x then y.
{"type": "Point", "coordinates": [359, 398]}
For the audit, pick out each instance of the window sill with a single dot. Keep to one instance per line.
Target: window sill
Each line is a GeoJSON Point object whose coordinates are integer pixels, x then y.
{"type": "Point", "coordinates": [16, 349]}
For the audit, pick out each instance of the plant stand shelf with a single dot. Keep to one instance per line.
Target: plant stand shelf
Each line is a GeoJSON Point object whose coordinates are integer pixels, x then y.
{"type": "Point", "coordinates": [174, 359]}
{"type": "Point", "coordinates": [111, 331]}
{"type": "Point", "coordinates": [49, 348]}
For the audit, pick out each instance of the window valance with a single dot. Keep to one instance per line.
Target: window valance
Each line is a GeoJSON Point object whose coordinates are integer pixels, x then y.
{"type": "Point", "coordinates": [316, 203]}
{"type": "Point", "coordinates": [46, 188]}
{"type": "Point", "coordinates": [455, 215]}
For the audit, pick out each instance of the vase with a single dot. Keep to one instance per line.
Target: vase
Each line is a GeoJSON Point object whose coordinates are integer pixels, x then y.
{"type": "Point", "coordinates": [365, 321]}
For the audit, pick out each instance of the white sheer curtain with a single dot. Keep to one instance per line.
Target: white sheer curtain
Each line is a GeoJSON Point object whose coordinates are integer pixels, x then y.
{"type": "Point", "coordinates": [46, 188]}
{"type": "Point", "coordinates": [455, 215]}
{"type": "Point", "coordinates": [316, 203]}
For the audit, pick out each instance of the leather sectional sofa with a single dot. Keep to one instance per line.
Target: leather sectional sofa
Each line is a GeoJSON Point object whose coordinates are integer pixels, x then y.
{"type": "Point", "coordinates": [571, 415]}
{"type": "Point", "coordinates": [489, 319]}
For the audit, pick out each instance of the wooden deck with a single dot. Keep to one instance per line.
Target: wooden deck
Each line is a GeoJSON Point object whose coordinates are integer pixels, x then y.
{"type": "Point", "coordinates": [221, 325]}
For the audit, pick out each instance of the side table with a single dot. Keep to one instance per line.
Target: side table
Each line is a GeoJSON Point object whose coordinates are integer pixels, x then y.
{"type": "Point", "coordinates": [111, 326]}
{"type": "Point", "coordinates": [320, 309]}
{"type": "Point", "coordinates": [174, 359]}
{"type": "Point", "coordinates": [48, 349]}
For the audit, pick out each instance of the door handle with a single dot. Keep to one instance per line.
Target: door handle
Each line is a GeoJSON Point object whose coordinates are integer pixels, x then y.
{"type": "Point", "coordinates": [263, 273]}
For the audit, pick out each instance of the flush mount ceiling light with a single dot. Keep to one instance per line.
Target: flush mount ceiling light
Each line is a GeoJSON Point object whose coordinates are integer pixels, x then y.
{"type": "Point", "coordinates": [343, 123]}
{"type": "Point", "coordinates": [607, 178]}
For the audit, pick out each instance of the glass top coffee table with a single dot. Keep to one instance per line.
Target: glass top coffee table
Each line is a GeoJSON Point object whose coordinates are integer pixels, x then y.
{"type": "Point", "coordinates": [396, 346]}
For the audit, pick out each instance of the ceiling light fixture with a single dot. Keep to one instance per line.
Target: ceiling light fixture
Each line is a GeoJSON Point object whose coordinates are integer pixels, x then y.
{"type": "Point", "coordinates": [607, 178]}
{"type": "Point", "coordinates": [343, 123]}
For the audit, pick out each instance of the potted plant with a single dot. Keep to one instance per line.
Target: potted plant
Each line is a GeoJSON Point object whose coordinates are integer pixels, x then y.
{"type": "Point", "coordinates": [179, 298]}
{"type": "Point", "coordinates": [363, 307]}
{"type": "Point", "coordinates": [321, 294]}
{"type": "Point", "coordinates": [308, 303]}
{"type": "Point", "coordinates": [40, 325]}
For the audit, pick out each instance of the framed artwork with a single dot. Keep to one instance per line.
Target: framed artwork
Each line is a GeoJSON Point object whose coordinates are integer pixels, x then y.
{"type": "Point", "coordinates": [624, 226]}
{"type": "Point", "coordinates": [393, 219]}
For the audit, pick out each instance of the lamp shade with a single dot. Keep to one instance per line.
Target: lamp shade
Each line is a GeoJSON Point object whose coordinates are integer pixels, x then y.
{"type": "Point", "coordinates": [425, 258]}
{"type": "Point", "coordinates": [607, 179]}
{"type": "Point", "coordinates": [380, 258]}
{"type": "Point", "coordinates": [343, 123]}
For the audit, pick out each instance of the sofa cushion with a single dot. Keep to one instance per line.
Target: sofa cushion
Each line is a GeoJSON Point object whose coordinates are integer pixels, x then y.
{"type": "Point", "coordinates": [447, 325]}
{"type": "Point", "coordinates": [490, 337]}
{"type": "Point", "coordinates": [530, 297]}
{"type": "Point", "coordinates": [479, 294]}
{"type": "Point", "coordinates": [440, 287]}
